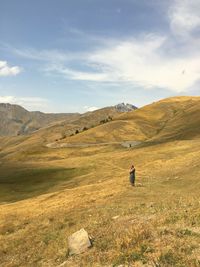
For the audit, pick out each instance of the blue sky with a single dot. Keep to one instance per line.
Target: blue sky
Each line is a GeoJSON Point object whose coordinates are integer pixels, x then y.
{"type": "Point", "coordinates": [68, 56]}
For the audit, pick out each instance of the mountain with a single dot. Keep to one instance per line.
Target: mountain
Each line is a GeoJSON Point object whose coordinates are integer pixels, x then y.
{"type": "Point", "coordinates": [15, 120]}
{"type": "Point", "coordinates": [122, 107]}
{"type": "Point", "coordinates": [48, 194]}
{"type": "Point", "coordinates": [177, 117]}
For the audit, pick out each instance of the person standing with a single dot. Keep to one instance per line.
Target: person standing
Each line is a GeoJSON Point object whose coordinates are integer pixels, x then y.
{"type": "Point", "coordinates": [132, 175]}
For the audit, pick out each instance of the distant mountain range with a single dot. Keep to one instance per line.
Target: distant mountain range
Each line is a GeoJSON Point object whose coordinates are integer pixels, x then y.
{"type": "Point", "coordinates": [170, 119]}
{"type": "Point", "coordinates": [15, 120]}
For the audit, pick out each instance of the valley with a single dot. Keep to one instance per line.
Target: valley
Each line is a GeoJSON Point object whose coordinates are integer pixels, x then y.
{"type": "Point", "coordinates": [48, 193]}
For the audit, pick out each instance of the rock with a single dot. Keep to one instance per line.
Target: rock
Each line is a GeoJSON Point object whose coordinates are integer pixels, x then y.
{"type": "Point", "coordinates": [64, 264]}
{"type": "Point", "coordinates": [115, 217]}
{"type": "Point", "coordinates": [79, 242]}
{"type": "Point", "coordinates": [122, 107]}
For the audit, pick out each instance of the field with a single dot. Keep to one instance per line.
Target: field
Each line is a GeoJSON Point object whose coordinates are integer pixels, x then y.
{"type": "Point", "coordinates": [47, 194]}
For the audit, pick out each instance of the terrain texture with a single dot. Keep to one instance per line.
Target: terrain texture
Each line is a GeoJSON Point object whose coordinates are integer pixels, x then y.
{"type": "Point", "coordinates": [46, 193]}
{"type": "Point", "coordinates": [15, 120]}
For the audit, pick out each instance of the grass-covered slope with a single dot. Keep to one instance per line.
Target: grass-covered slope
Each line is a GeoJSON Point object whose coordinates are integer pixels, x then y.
{"type": "Point", "coordinates": [155, 222]}
{"type": "Point", "coordinates": [47, 194]}
{"type": "Point", "coordinates": [176, 117]}
{"type": "Point", "coordinates": [56, 131]}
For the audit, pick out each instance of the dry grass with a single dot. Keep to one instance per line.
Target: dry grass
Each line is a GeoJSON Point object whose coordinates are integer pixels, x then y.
{"type": "Point", "coordinates": [170, 118]}
{"type": "Point", "coordinates": [157, 223]}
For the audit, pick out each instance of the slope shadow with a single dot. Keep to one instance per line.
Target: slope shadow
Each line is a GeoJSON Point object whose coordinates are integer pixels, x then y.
{"type": "Point", "coordinates": [23, 183]}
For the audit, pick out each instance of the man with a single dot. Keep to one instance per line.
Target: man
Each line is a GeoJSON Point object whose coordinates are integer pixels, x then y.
{"type": "Point", "coordinates": [132, 175]}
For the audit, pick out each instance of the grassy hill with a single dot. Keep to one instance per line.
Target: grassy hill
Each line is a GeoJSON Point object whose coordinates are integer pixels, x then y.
{"type": "Point", "coordinates": [55, 132]}
{"type": "Point", "coordinates": [15, 120]}
{"type": "Point", "coordinates": [47, 194]}
{"type": "Point", "coordinates": [170, 118]}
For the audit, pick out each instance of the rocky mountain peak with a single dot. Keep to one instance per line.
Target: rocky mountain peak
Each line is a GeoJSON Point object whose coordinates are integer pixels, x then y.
{"type": "Point", "coordinates": [122, 107]}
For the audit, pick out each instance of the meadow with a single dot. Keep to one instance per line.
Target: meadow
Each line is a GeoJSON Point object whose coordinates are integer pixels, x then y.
{"type": "Point", "coordinates": [157, 222]}
{"type": "Point", "coordinates": [48, 195]}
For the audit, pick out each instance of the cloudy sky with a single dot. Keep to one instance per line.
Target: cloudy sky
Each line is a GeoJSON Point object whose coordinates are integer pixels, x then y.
{"type": "Point", "coordinates": [77, 55]}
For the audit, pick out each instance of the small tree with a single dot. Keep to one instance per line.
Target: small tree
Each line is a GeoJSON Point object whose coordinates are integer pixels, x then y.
{"type": "Point", "coordinates": [102, 121]}
{"type": "Point", "coordinates": [63, 136]}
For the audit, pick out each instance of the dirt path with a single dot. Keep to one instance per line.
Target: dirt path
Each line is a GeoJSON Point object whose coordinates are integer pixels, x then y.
{"type": "Point", "coordinates": [64, 145]}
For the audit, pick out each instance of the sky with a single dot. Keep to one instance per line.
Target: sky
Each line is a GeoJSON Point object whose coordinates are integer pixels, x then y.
{"type": "Point", "coordinates": [80, 55]}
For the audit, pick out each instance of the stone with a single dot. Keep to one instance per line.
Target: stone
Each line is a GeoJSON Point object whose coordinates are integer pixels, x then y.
{"type": "Point", "coordinates": [64, 264]}
{"type": "Point", "coordinates": [115, 217]}
{"type": "Point", "coordinates": [79, 242]}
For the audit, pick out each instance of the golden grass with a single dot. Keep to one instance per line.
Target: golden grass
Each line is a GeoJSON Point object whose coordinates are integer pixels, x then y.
{"type": "Point", "coordinates": [170, 118]}
{"type": "Point", "coordinates": [157, 223]}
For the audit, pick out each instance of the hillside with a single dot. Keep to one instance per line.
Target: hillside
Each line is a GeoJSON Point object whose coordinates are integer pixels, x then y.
{"type": "Point", "coordinates": [58, 131]}
{"type": "Point", "coordinates": [84, 122]}
{"type": "Point", "coordinates": [176, 118]}
{"type": "Point", "coordinates": [47, 194]}
{"type": "Point", "coordinates": [15, 120]}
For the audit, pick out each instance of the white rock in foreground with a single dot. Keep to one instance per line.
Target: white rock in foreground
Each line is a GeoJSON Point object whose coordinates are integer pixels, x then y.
{"type": "Point", "coordinates": [79, 242]}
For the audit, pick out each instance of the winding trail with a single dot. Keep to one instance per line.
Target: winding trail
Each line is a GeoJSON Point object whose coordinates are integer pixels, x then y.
{"type": "Point", "coordinates": [127, 144]}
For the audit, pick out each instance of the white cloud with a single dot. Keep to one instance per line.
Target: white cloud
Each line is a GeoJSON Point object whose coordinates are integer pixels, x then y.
{"type": "Point", "coordinates": [6, 70]}
{"type": "Point", "coordinates": [86, 108]}
{"type": "Point", "coordinates": [140, 61]}
{"type": "Point", "coordinates": [184, 16]}
{"type": "Point", "coordinates": [31, 103]}
{"type": "Point", "coordinates": [46, 55]}
{"type": "Point", "coordinates": [79, 75]}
